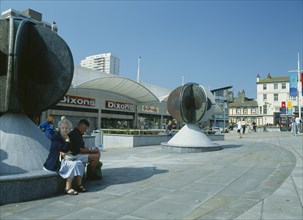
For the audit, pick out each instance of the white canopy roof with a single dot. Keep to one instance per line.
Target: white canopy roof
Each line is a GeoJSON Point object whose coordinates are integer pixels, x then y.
{"type": "Point", "coordinates": [115, 84]}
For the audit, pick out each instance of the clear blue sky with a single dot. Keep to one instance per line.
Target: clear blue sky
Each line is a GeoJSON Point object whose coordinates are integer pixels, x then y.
{"type": "Point", "coordinates": [213, 43]}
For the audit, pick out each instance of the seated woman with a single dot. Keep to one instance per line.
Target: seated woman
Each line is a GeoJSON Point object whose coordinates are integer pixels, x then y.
{"type": "Point", "coordinates": [60, 143]}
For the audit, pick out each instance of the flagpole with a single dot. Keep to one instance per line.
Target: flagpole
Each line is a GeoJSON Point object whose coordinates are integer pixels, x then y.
{"type": "Point", "coordinates": [299, 86]}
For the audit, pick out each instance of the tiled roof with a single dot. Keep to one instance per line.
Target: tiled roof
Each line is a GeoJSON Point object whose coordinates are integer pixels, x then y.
{"type": "Point", "coordinates": [274, 79]}
{"type": "Point", "coordinates": [243, 104]}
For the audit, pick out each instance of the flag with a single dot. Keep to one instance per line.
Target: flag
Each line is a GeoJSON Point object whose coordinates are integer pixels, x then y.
{"type": "Point", "coordinates": [289, 107]}
{"type": "Point", "coordinates": [283, 108]}
{"type": "Point", "coordinates": [302, 82]}
{"type": "Point", "coordinates": [293, 85]}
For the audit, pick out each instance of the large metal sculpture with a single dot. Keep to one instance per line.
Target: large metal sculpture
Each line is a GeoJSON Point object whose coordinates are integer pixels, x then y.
{"type": "Point", "coordinates": [35, 73]}
{"type": "Point", "coordinates": [190, 104]}
{"type": "Point", "coordinates": [36, 67]}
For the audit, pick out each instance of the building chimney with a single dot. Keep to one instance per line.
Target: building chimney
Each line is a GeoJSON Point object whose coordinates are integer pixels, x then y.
{"type": "Point", "coordinates": [268, 76]}
{"type": "Point", "coordinates": [258, 78]}
{"type": "Point", "coordinates": [241, 96]}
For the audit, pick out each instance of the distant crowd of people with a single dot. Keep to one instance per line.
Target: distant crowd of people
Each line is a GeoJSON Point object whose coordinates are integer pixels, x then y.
{"type": "Point", "coordinates": [296, 127]}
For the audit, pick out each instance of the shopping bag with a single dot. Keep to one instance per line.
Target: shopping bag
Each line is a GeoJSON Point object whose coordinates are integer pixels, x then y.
{"type": "Point", "coordinates": [95, 174]}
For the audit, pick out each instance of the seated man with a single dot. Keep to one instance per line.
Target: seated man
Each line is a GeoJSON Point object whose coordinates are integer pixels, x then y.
{"type": "Point", "coordinates": [78, 146]}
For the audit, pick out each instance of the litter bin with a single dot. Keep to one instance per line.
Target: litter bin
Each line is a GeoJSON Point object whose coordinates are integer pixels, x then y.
{"type": "Point", "coordinates": [98, 138]}
{"type": "Point", "coordinates": [89, 141]}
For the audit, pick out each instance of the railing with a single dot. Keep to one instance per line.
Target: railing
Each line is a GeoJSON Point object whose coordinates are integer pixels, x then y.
{"type": "Point", "coordinates": [143, 131]}
{"type": "Point", "coordinates": [132, 131]}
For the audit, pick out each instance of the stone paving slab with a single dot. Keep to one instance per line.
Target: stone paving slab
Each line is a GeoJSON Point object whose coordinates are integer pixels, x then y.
{"type": "Point", "coordinates": [257, 177]}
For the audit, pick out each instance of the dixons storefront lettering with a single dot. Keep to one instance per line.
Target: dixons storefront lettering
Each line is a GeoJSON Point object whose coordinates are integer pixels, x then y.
{"type": "Point", "coordinates": [119, 105]}
{"type": "Point", "coordinates": [153, 109]}
{"type": "Point", "coordinates": [78, 100]}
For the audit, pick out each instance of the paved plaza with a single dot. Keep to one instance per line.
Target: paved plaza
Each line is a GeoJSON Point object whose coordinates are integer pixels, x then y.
{"type": "Point", "coordinates": [256, 177]}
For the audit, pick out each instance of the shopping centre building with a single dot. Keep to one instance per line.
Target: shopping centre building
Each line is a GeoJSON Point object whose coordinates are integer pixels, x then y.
{"type": "Point", "coordinates": [110, 101]}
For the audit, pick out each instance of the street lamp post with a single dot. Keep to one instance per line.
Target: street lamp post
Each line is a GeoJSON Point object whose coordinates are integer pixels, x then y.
{"type": "Point", "coordinates": [224, 108]}
{"type": "Point", "coordinates": [138, 72]}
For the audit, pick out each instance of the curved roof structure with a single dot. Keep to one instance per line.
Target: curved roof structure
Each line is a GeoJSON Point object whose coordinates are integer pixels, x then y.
{"type": "Point", "coordinates": [85, 78]}
{"type": "Point", "coordinates": [118, 85]}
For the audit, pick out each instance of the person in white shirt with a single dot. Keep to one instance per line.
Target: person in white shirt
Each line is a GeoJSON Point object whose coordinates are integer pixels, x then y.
{"type": "Point", "coordinates": [297, 125]}
{"type": "Point", "coordinates": [239, 125]}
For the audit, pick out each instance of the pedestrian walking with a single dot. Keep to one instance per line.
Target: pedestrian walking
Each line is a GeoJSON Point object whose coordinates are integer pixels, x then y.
{"type": "Point", "coordinates": [297, 125]}
{"type": "Point", "coordinates": [243, 126]}
{"type": "Point", "coordinates": [254, 126]}
{"type": "Point", "coordinates": [239, 125]}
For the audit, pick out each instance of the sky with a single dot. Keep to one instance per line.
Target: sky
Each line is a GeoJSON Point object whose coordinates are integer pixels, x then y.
{"type": "Point", "coordinates": [213, 43]}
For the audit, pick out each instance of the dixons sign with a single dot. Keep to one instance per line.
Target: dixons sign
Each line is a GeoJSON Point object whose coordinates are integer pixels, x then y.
{"type": "Point", "coordinates": [78, 100]}
{"type": "Point", "coordinates": [153, 109]}
{"type": "Point", "coordinates": [119, 105]}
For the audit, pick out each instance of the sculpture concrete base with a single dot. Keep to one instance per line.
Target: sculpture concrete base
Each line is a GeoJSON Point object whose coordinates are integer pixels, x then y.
{"type": "Point", "coordinates": [190, 139]}
{"type": "Point", "coordinates": [23, 150]}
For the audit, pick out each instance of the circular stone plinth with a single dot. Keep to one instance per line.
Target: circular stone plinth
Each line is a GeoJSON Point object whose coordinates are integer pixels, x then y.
{"type": "Point", "coordinates": [190, 139]}
{"type": "Point", "coordinates": [189, 149]}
